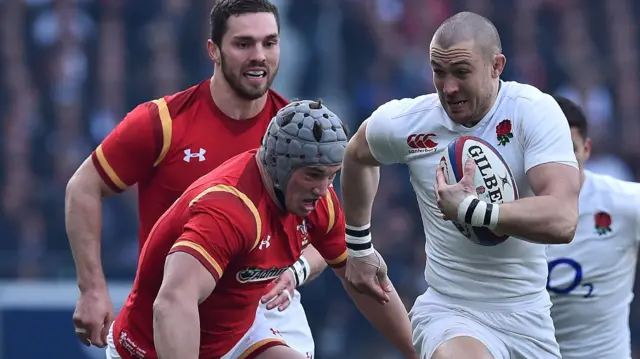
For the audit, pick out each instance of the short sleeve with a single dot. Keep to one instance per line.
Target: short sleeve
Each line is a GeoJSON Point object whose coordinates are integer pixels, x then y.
{"type": "Point", "coordinates": [380, 134]}
{"type": "Point", "coordinates": [135, 146]}
{"type": "Point", "coordinates": [547, 136]}
{"type": "Point", "coordinates": [220, 228]}
{"type": "Point", "coordinates": [328, 231]}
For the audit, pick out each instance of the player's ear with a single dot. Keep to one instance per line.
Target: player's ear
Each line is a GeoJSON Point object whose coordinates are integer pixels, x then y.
{"type": "Point", "coordinates": [346, 130]}
{"type": "Point", "coordinates": [214, 51]}
{"type": "Point", "coordinates": [587, 148]}
{"type": "Point", "coordinates": [499, 61]}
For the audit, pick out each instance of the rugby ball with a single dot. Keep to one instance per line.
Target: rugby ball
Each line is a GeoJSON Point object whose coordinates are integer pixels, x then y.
{"type": "Point", "coordinates": [493, 180]}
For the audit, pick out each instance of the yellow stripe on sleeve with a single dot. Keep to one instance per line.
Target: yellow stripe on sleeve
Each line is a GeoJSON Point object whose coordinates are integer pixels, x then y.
{"type": "Point", "coordinates": [252, 207]}
{"type": "Point", "coordinates": [340, 259]}
{"type": "Point", "coordinates": [165, 120]}
{"type": "Point", "coordinates": [198, 248]}
{"type": "Point", "coordinates": [113, 176]}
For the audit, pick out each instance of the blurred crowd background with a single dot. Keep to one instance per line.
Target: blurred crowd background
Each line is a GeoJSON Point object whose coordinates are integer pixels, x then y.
{"type": "Point", "coordinates": [71, 69]}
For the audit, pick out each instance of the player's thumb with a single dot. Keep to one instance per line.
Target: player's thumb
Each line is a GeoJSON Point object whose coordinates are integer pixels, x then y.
{"type": "Point", "coordinates": [385, 282]}
{"type": "Point", "coordinates": [383, 278]}
{"type": "Point", "coordinates": [108, 320]}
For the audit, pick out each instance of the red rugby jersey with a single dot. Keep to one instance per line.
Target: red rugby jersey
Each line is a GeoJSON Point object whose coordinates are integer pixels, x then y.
{"type": "Point", "coordinates": [166, 144]}
{"type": "Point", "coordinates": [227, 221]}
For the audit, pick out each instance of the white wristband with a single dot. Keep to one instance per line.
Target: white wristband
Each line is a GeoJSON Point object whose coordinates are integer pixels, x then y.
{"type": "Point", "coordinates": [359, 240]}
{"type": "Point", "coordinates": [301, 270]}
{"type": "Point", "coordinates": [478, 213]}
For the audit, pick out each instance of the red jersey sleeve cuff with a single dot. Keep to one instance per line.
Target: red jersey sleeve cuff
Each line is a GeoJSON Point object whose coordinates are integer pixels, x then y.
{"type": "Point", "coordinates": [338, 262]}
{"type": "Point", "coordinates": [197, 251]}
{"type": "Point", "coordinates": [106, 172]}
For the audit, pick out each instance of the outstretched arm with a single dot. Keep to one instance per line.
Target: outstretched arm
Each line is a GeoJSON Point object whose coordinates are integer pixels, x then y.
{"type": "Point", "coordinates": [390, 319]}
{"type": "Point", "coordinates": [359, 183]}
{"type": "Point", "coordinates": [83, 220]}
{"type": "Point", "coordinates": [359, 180]}
{"type": "Point", "coordinates": [127, 154]}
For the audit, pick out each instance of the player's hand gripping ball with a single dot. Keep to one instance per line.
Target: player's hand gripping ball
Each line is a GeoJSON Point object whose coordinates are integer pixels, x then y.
{"type": "Point", "coordinates": [492, 180]}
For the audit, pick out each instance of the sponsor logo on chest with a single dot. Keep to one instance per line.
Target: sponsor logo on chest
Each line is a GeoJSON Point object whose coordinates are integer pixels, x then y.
{"type": "Point", "coordinates": [422, 143]}
{"type": "Point", "coordinates": [255, 274]}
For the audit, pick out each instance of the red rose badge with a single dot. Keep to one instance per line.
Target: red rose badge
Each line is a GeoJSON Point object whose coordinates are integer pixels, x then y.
{"type": "Point", "coordinates": [503, 131]}
{"type": "Point", "coordinates": [603, 223]}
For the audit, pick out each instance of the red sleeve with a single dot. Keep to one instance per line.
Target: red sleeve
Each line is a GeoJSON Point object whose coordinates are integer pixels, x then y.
{"type": "Point", "coordinates": [221, 227]}
{"type": "Point", "coordinates": [137, 144]}
{"type": "Point", "coordinates": [328, 230]}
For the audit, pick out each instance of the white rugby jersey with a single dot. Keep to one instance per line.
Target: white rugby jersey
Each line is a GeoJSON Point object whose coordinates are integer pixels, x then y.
{"type": "Point", "coordinates": [528, 128]}
{"type": "Point", "coordinates": [591, 279]}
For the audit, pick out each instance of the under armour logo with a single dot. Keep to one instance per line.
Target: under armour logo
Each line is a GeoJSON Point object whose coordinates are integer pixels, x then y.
{"type": "Point", "coordinates": [265, 242]}
{"type": "Point", "coordinates": [275, 331]}
{"type": "Point", "coordinates": [188, 155]}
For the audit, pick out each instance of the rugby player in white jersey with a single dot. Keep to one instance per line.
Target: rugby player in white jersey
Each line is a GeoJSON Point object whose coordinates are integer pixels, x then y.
{"type": "Point", "coordinates": [591, 279]}
{"type": "Point", "coordinates": [482, 301]}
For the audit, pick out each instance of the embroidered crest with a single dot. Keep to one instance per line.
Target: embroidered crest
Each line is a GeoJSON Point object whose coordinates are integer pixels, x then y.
{"type": "Point", "coordinates": [503, 131]}
{"type": "Point", "coordinates": [603, 223]}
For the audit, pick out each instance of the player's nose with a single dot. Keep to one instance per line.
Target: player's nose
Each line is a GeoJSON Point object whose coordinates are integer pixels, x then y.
{"type": "Point", "coordinates": [322, 189]}
{"type": "Point", "coordinates": [258, 54]}
{"type": "Point", "coordinates": [450, 87]}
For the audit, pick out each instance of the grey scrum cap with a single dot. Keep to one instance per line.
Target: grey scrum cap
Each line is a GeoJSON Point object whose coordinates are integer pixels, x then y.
{"type": "Point", "coordinates": [303, 133]}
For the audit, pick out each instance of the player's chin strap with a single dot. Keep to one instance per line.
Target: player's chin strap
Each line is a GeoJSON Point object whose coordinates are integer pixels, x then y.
{"type": "Point", "coordinates": [280, 197]}
{"type": "Point", "coordinates": [478, 213]}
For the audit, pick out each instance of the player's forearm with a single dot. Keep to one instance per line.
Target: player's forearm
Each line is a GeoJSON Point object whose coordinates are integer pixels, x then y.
{"type": "Point", "coordinates": [83, 221]}
{"type": "Point", "coordinates": [359, 184]}
{"type": "Point", "coordinates": [539, 219]}
{"type": "Point", "coordinates": [317, 264]}
{"type": "Point", "coordinates": [390, 319]}
{"type": "Point", "coordinates": [176, 328]}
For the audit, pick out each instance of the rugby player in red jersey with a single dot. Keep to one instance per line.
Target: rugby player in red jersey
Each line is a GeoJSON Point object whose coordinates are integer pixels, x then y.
{"type": "Point", "coordinates": [166, 144]}
{"type": "Point", "coordinates": [209, 258]}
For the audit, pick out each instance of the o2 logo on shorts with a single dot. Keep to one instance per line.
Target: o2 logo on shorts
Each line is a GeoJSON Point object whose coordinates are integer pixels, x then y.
{"type": "Point", "coordinates": [577, 278]}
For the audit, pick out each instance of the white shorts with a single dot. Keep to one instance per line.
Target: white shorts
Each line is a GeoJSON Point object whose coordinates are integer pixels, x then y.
{"type": "Point", "coordinates": [271, 327]}
{"type": "Point", "coordinates": [527, 334]}
{"type": "Point", "coordinates": [112, 353]}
